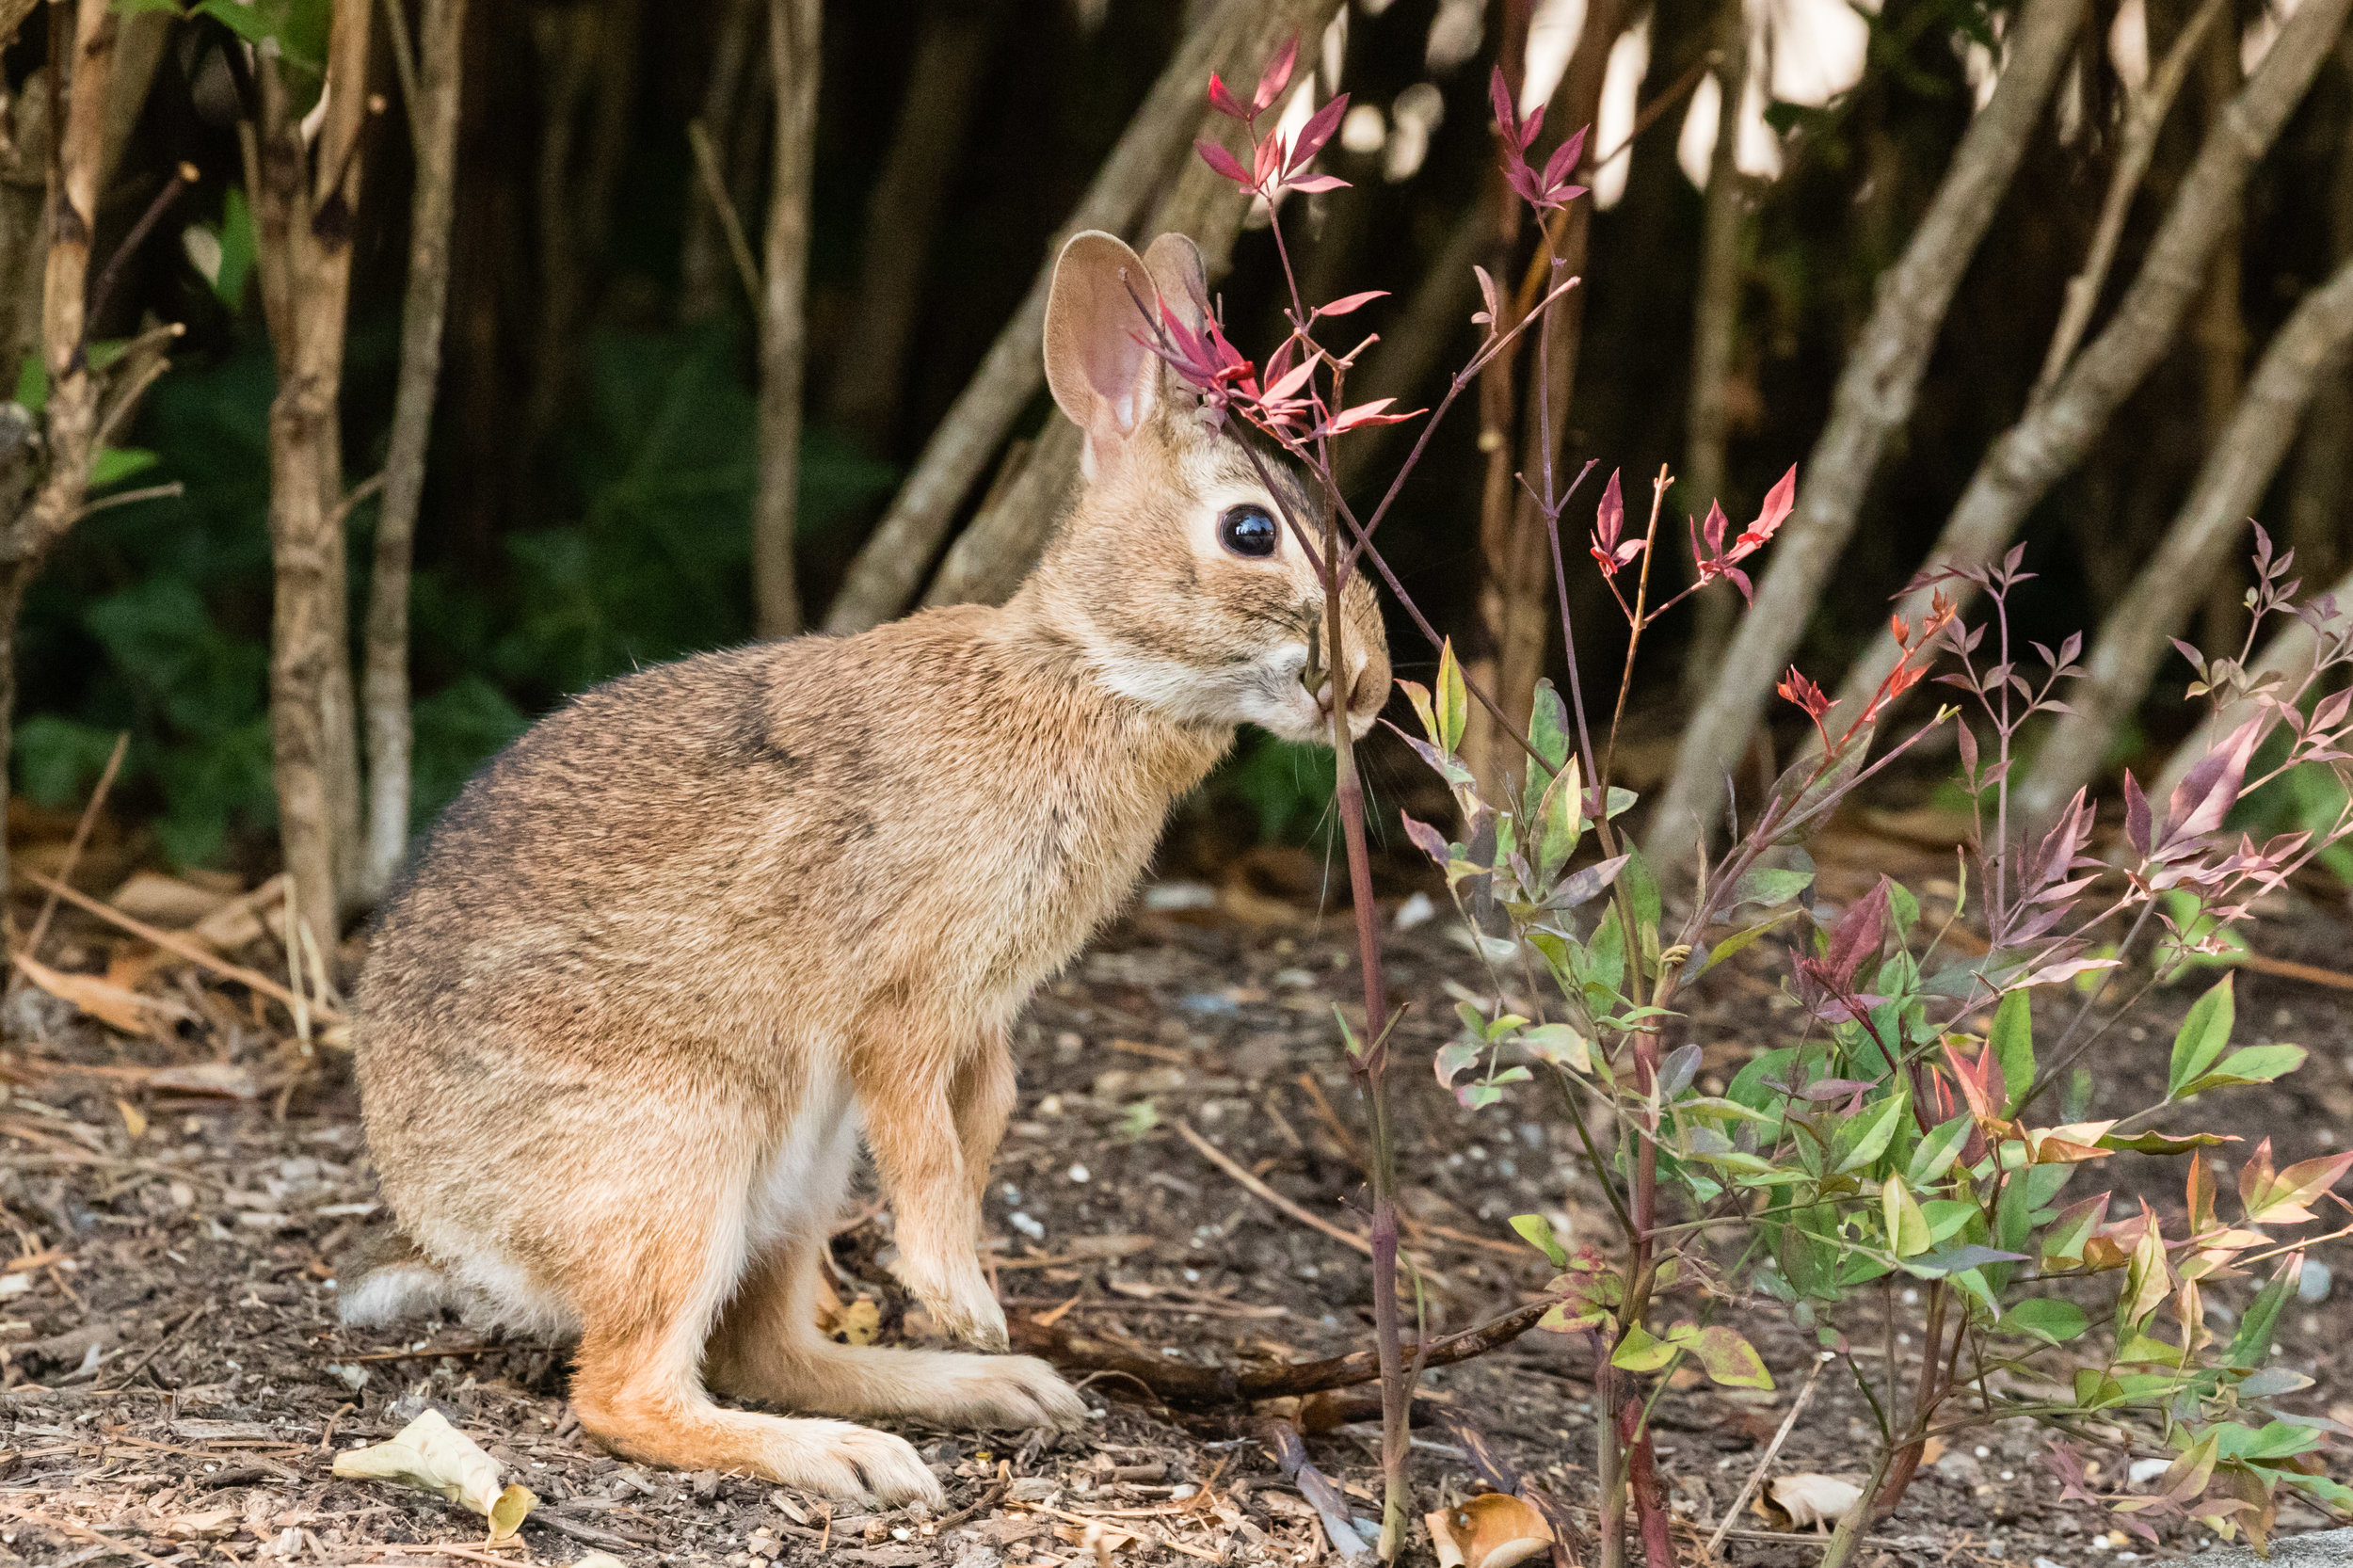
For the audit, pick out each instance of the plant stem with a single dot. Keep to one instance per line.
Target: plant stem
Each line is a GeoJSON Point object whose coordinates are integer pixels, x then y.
{"type": "Point", "coordinates": [1372, 1066]}
{"type": "Point", "coordinates": [1609, 1472]}
{"type": "Point", "coordinates": [1857, 1518]}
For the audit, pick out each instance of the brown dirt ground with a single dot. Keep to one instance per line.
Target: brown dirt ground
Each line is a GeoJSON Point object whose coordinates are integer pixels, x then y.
{"type": "Point", "coordinates": [175, 1379]}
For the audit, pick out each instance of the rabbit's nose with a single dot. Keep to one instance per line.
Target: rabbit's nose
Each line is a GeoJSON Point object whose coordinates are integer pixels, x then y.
{"type": "Point", "coordinates": [1357, 686]}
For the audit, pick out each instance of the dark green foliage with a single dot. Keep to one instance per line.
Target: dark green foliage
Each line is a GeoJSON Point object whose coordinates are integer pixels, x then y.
{"type": "Point", "coordinates": [157, 618]}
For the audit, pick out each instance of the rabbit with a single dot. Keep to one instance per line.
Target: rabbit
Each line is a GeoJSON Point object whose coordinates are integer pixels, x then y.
{"type": "Point", "coordinates": [666, 959]}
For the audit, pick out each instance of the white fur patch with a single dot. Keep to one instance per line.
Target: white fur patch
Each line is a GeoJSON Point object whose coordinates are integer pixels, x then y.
{"type": "Point", "coordinates": [394, 1293]}
{"type": "Point", "coordinates": [800, 1188]}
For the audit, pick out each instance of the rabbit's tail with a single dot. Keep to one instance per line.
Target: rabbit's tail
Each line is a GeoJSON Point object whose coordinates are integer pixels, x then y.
{"type": "Point", "coordinates": [390, 1280]}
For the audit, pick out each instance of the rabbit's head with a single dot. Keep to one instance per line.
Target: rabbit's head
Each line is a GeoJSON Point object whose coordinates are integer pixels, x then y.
{"type": "Point", "coordinates": [1175, 571]}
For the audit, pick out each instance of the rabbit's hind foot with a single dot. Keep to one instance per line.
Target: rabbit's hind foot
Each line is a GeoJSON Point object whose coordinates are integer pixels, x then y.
{"type": "Point", "coordinates": [391, 1282]}
{"type": "Point", "coordinates": [648, 1411]}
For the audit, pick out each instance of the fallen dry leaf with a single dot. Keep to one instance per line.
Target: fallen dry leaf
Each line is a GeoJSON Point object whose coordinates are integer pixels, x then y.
{"type": "Point", "coordinates": [433, 1456]}
{"type": "Point", "coordinates": [1494, 1529]}
{"type": "Point", "coordinates": [165, 901]}
{"type": "Point", "coordinates": [859, 1322]}
{"type": "Point", "coordinates": [239, 922]}
{"type": "Point", "coordinates": [207, 1077]}
{"type": "Point", "coordinates": [1794, 1502]}
{"type": "Point", "coordinates": [125, 1011]}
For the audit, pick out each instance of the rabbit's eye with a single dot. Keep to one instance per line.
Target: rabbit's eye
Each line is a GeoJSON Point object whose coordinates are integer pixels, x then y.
{"type": "Point", "coordinates": [1248, 531]}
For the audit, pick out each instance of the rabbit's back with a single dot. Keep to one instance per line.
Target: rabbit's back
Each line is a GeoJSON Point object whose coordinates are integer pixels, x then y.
{"type": "Point", "coordinates": [669, 900]}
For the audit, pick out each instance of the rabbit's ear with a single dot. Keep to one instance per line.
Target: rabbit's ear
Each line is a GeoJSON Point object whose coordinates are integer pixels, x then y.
{"type": "Point", "coordinates": [1103, 374]}
{"type": "Point", "coordinates": [1175, 262]}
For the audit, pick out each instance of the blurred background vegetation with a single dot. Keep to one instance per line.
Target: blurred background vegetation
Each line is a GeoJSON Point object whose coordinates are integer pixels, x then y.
{"type": "Point", "coordinates": [589, 492]}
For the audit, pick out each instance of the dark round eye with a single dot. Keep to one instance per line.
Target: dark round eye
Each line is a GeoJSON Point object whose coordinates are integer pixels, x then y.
{"type": "Point", "coordinates": [1248, 531]}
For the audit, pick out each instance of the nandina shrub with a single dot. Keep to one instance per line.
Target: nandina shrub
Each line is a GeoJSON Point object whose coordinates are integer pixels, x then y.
{"type": "Point", "coordinates": [1911, 1130]}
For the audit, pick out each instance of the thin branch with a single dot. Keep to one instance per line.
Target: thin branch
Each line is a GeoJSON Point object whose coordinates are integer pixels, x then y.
{"type": "Point", "coordinates": [714, 180]}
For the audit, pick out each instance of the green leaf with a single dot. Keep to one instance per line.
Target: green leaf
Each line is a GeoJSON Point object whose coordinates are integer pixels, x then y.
{"type": "Point", "coordinates": [1640, 1352]}
{"type": "Point", "coordinates": [1707, 958]}
{"type": "Point", "coordinates": [2249, 1064]}
{"type": "Point", "coordinates": [1907, 1227]}
{"type": "Point", "coordinates": [1903, 910]}
{"type": "Point", "coordinates": [32, 384]}
{"type": "Point", "coordinates": [2048, 1319]}
{"type": "Point", "coordinates": [1770, 885]}
{"type": "Point", "coordinates": [114, 464]}
{"type": "Point", "coordinates": [1726, 1358]}
{"type": "Point", "coordinates": [1642, 889]}
{"type": "Point", "coordinates": [1560, 1045]}
{"type": "Point", "coordinates": [2012, 1043]}
{"type": "Point", "coordinates": [1867, 1137]}
{"type": "Point", "coordinates": [1537, 1232]}
{"type": "Point", "coordinates": [1938, 1149]}
{"type": "Point", "coordinates": [2253, 1343]}
{"type": "Point", "coordinates": [1560, 818]}
{"type": "Point", "coordinates": [1453, 706]}
{"type": "Point", "coordinates": [2203, 1033]}
{"type": "Point", "coordinates": [1548, 733]}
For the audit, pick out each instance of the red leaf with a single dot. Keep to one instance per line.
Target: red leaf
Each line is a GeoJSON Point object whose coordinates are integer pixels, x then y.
{"type": "Point", "coordinates": [1268, 161]}
{"type": "Point", "coordinates": [2205, 796]}
{"type": "Point", "coordinates": [1531, 126]}
{"type": "Point", "coordinates": [1778, 501]}
{"type": "Point", "coordinates": [1369, 413]}
{"type": "Point", "coordinates": [1290, 382]}
{"type": "Point", "coordinates": [1563, 160]}
{"type": "Point", "coordinates": [1277, 77]}
{"type": "Point", "coordinates": [1426, 839]}
{"type": "Point", "coordinates": [1223, 99]}
{"type": "Point", "coordinates": [2136, 816]}
{"type": "Point", "coordinates": [1500, 99]}
{"type": "Point", "coordinates": [1609, 517]}
{"type": "Point", "coordinates": [1318, 131]}
{"type": "Point", "coordinates": [1715, 526]}
{"type": "Point", "coordinates": [1346, 303]}
{"type": "Point", "coordinates": [1224, 162]}
{"type": "Point", "coordinates": [1796, 689]}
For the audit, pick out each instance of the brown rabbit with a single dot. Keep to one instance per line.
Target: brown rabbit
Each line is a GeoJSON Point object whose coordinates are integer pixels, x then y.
{"type": "Point", "coordinates": [666, 957]}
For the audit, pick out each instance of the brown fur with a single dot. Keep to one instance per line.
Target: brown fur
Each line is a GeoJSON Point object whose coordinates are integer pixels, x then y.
{"type": "Point", "coordinates": [667, 957]}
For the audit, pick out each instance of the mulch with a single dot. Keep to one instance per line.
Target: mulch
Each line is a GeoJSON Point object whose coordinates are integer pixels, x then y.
{"type": "Point", "coordinates": [180, 1200]}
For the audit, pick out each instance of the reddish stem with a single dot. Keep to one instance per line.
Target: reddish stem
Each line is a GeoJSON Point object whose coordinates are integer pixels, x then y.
{"type": "Point", "coordinates": [1641, 1475]}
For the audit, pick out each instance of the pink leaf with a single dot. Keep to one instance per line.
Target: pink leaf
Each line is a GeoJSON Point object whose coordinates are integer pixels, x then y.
{"type": "Point", "coordinates": [1268, 161]}
{"type": "Point", "coordinates": [1223, 99]}
{"type": "Point", "coordinates": [1318, 131]}
{"type": "Point", "coordinates": [1290, 381]}
{"type": "Point", "coordinates": [1778, 501]}
{"type": "Point", "coordinates": [1224, 162]}
{"type": "Point", "coordinates": [1531, 126]}
{"type": "Point", "coordinates": [1314, 184]}
{"type": "Point", "coordinates": [1277, 77]}
{"type": "Point", "coordinates": [1609, 517]}
{"type": "Point", "coordinates": [1563, 160]}
{"type": "Point", "coordinates": [1426, 839]}
{"type": "Point", "coordinates": [1500, 99]}
{"type": "Point", "coordinates": [1714, 528]}
{"type": "Point", "coordinates": [1346, 303]}
{"type": "Point", "coordinates": [2204, 798]}
{"type": "Point", "coordinates": [2136, 816]}
{"type": "Point", "coordinates": [1369, 413]}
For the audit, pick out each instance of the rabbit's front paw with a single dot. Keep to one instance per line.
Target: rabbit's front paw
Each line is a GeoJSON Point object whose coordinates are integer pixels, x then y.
{"type": "Point", "coordinates": [960, 1303]}
{"type": "Point", "coordinates": [972, 1317]}
{"type": "Point", "coordinates": [883, 1467]}
{"type": "Point", "coordinates": [1017, 1392]}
